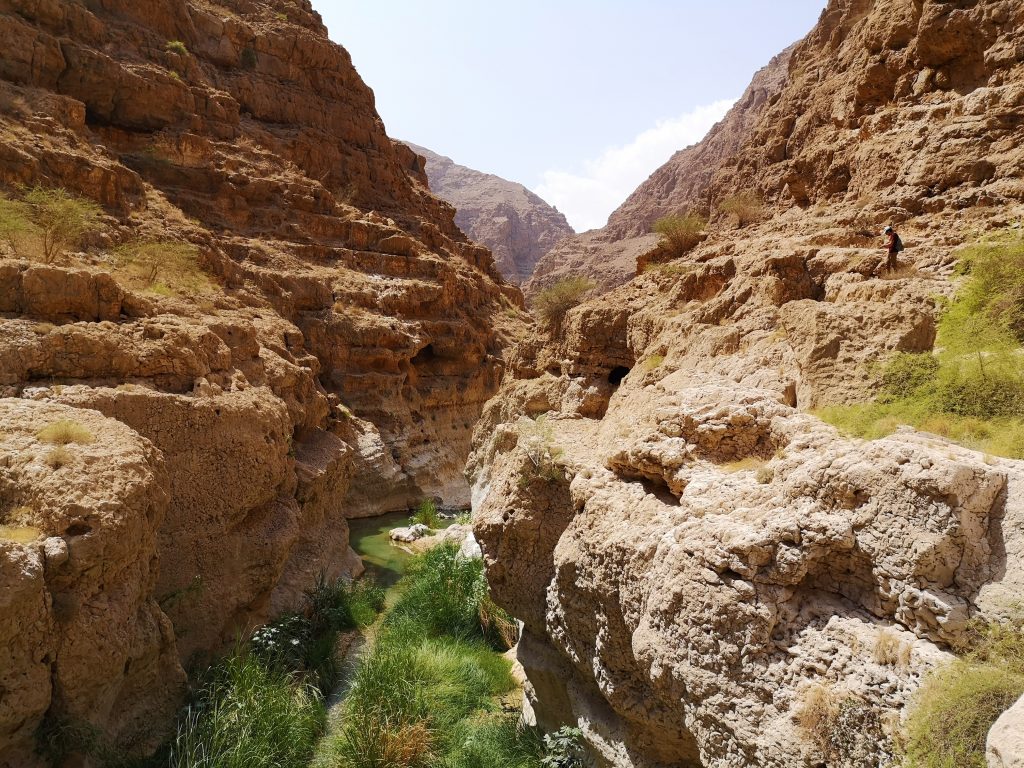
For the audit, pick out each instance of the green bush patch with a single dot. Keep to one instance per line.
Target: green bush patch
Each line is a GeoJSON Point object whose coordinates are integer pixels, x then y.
{"type": "Point", "coordinates": [971, 389]}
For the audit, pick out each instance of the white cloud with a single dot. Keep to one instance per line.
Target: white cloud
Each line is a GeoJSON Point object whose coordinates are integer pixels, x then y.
{"type": "Point", "coordinates": [587, 198]}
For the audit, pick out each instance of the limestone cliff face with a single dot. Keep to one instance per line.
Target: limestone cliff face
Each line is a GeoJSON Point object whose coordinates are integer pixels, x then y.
{"type": "Point", "coordinates": [328, 358]}
{"type": "Point", "coordinates": [516, 225]}
{"type": "Point", "coordinates": [695, 557]}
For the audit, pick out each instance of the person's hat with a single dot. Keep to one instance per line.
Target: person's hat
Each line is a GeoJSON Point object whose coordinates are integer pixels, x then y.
{"type": "Point", "coordinates": [887, 230]}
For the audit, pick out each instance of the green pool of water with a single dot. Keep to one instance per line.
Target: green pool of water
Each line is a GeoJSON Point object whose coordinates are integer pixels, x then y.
{"type": "Point", "coordinates": [385, 562]}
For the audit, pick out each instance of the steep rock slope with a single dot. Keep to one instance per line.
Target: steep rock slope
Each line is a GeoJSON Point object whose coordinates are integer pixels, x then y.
{"type": "Point", "coordinates": [309, 337]}
{"type": "Point", "coordinates": [516, 225]}
{"type": "Point", "coordinates": [608, 255]}
{"type": "Point", "coordinates": [706, 559]}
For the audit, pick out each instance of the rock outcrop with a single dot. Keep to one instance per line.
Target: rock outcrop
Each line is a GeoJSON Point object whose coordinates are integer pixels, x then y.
{"type": "Point", "coordinates": [276, 327]}
{"type": "Point", "coordinates": [516, 225]}
{"type": "Point", "coordinates": [708, 575]}
{"type": "Point", "coordinates": [1005, 744]}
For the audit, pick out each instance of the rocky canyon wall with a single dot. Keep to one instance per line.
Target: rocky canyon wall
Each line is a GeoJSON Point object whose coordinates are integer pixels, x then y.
{"type": "Point", "coordinates": [274, 326]}
{"type": "Point", "coordinates": [700, 562]}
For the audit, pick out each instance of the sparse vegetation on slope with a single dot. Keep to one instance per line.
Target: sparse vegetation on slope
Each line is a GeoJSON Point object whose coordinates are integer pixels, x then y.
{"type": "Point", "coordinates": [971, 389]}
{"type": "Point", "coordinates": [957, 705]}
{"type": "Point", "coordinates": [747, 207]}
{"type": "Point", "coordinates": [164, 268]}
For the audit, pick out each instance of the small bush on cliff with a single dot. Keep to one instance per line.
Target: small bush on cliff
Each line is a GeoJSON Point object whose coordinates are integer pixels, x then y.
{"type": "Point", "coordinates": [745, 206]}
{"type": "Point", "coordinates": [957, 704]}
{"type": "Point", "coordinates": [61, 219]}
{"type": "Point", "coordinates": [972, 389]}
{"type": "Point", "coordinates": [680, 233]}
{"type": "Point", "coordinates": [551, 304]}
{"type": "Point", "coordinates": [176, 46]}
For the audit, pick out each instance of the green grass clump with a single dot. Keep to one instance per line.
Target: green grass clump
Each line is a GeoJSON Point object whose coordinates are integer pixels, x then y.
{"type": "Point", "coordinates": [427, 694]}
{"type": "Point", "coordinates": [971, 390]}
{"type": "Point", "coordinates": [426, 514]}
{"type": "Point", "coordinates": [176, 46]}
{"type": "Point", "coordinates": [264, 704]}
{"type": "Point", "coordinates": [957, 704]}
{"type": "Point", "coordinates": [552, 303]}
{"type": "Point", "coordinates": [249, 715]}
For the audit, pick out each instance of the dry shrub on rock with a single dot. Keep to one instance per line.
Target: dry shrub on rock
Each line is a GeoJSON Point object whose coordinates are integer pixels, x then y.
{"type": "Point", "coordinates": [680, 233]}
{"type": "Point", "coordinates": [745, 206]}
{"type": "Point", "coordinates": [65, 431]}
{"type": "Point", "coordinates": [551, 304]}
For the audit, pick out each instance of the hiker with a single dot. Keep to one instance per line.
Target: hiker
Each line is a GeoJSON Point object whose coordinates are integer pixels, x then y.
{"type": "Point", "coordinates": [893, 245]}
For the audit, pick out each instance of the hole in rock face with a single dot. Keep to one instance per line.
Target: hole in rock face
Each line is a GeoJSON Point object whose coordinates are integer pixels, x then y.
{"type": "Point", "coordinates": [617, 374]}
{"type": "Point", "coordinates": [77, 529]}
{"type": "Point", "coordinates": [425, 355]}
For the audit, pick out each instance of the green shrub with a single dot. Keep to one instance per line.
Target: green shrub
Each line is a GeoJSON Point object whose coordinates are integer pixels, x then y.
{"type": "Point", "coordinates": [564, 749]}
{"type": "Point", "coordinates": [747, 207]}
{"type": "Point", "coordinates": [552, 303]}
{"type": "Point", "coordinates": [248, 58]}
{"type": "Point", "coordinates": [680, 233]}
{"type": "Point", "coordinates": [62, 219]}
{"type": "Point", "coordinates": [176, 46]}
{"type": "Point", "coordinates": [957, 704]}
{"type": "Point", "coordinates": [248, 715]}
{"type": "Point", "coordinates": [426, 514]}
{"type": "Point", "coordinates": [907, 372]}
{"type": "Point", "coordinates": [994, 292]}
{"type": "Point", "coordinates": [15, 225]}
{"type": "Point", "coordinates": [306, 642]}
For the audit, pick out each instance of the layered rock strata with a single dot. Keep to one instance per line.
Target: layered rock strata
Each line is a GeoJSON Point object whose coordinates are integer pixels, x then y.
{"type": "Point", "coordinates": [325, 356]}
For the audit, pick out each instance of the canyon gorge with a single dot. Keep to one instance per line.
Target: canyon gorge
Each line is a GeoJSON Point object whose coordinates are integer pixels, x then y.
{"type": "Point", "coordinates": [280, 319]}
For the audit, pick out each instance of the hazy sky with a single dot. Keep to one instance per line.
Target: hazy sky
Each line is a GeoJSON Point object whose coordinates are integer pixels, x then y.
{"type": "Point", "coordinates": [580, 100]}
